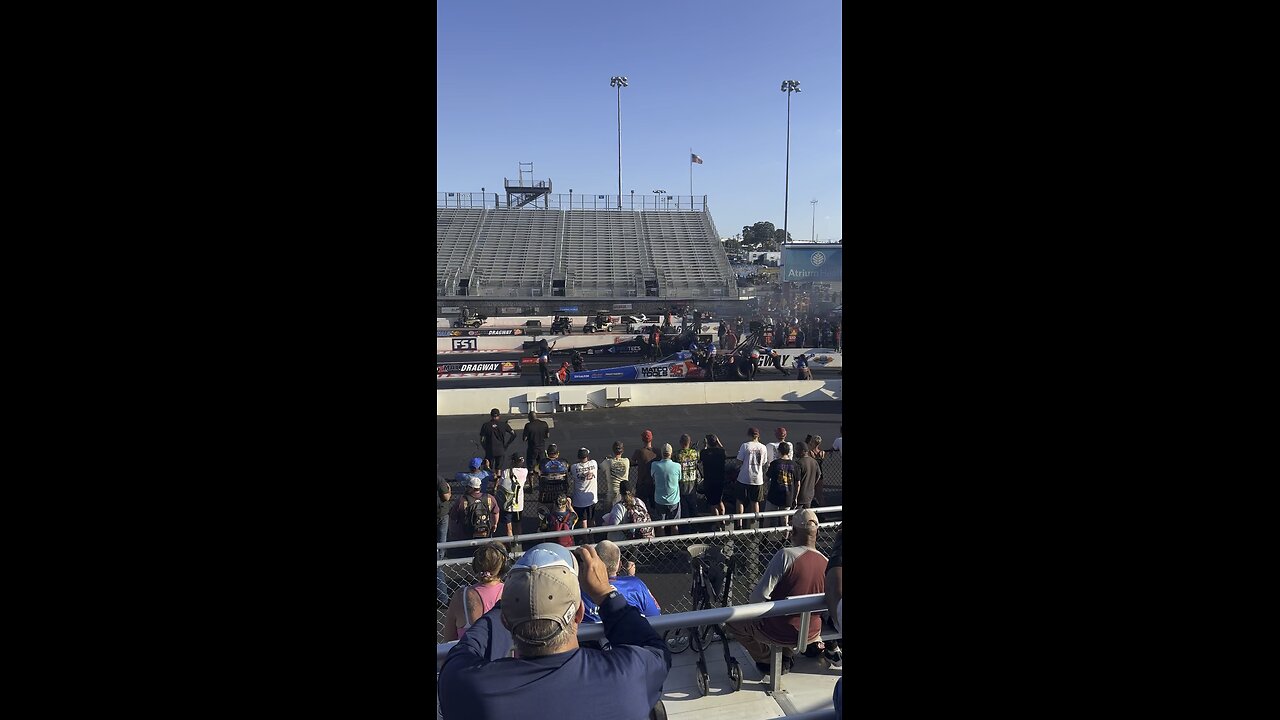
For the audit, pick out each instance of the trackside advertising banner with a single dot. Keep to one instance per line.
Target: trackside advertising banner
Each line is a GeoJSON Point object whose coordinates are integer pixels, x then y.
{"type": "Point", "coordinates": [503, 368]}
{"type": "Point", "coordinates": [484, 332]}
{"type": "Point", "coordinates": [811, 263]}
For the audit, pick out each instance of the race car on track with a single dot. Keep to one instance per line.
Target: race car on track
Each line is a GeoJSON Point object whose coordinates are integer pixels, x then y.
{"type": "Point", "coordinates": [682, 365]}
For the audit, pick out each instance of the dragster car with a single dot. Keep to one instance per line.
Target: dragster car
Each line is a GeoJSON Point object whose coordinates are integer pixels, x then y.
{"type": "Point", "coordinates": [681, 366]}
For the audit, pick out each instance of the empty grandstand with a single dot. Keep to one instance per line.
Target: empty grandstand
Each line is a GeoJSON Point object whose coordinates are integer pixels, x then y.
{"type": "Point", "coordinates": [487, 250]}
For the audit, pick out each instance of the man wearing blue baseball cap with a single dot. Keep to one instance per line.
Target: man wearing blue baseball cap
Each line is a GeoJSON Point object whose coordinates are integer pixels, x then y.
{"type": "Point", "coordinates": [542, 607]}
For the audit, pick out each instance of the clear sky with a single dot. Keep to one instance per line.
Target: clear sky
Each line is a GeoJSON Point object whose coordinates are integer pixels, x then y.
{"type": "Point", "coordinates": [529, 81]}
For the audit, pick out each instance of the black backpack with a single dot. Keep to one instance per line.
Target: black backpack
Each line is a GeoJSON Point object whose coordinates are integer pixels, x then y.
{"type": "Point", "coordinates": [478, 516]}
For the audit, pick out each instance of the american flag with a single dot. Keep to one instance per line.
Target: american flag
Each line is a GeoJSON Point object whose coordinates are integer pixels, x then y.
{"type": "Point", "coordinates": [696, 159]}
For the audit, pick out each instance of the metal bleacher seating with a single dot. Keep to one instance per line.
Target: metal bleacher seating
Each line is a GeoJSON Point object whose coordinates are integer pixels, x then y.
{"type": "Point", "coordinates": [516, 248]}
{"type": "Point", "coordinates": [455, 234]}
{"type": "Point", "coordinates": [601, 249]}
{"type": "Point", "coordinates": [597, 252]}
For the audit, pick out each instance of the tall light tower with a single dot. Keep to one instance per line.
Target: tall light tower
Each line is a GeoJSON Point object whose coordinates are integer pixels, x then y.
{"type": "Point", "coordinates": [788, 87]}
{"type": "Point", "coordinates": [813, 232]}
{"type": "Point", "coordinates": [619, 82]}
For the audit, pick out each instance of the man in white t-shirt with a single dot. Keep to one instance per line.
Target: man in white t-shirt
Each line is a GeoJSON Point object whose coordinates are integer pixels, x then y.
{"type": "Point", "coordinates": [781, 434]}
{"type": "Point", "coordinates": [749, 491]}
{"type": "Point", "coordinates": [582, 483]}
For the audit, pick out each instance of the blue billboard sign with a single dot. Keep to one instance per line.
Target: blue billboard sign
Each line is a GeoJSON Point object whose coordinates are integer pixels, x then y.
{"type": "Point", "coordinates": [811, 263]}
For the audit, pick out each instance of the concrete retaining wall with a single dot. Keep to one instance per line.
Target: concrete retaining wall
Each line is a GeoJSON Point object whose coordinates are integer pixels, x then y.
{"type": "Point", "coordinates": [596, 398]}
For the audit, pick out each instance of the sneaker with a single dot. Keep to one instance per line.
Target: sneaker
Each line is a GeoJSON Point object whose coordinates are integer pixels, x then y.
{"type": "Point", "coordinates": [786, 665]}
{"type": "Point", "coordinates": [833, 659]}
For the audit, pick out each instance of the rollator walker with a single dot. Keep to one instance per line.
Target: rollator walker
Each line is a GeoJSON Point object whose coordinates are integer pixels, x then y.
{"type": "Point", "coordinates": [712, 577]}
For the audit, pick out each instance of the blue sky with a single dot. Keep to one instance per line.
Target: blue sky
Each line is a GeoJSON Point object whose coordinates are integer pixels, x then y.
{"type": "Point", "coordinates": [529, 81]}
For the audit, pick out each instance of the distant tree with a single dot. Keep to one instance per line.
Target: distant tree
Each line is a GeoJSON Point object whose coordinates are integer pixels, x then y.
{"type": "Point", "coordinates": [733, 245]}
{"type": "Point", "coordinates": [780, 236]}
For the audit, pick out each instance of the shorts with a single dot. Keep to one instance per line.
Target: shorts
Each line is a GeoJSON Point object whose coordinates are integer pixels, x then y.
{"type": "Point", "coordinates": [586, 514]}
{"type": "Point", "coordinates": [688, 505]}
{"type": "Point", "coordinates": [714, 492]}
{"type": "Point", "coordinates": [665, 512]}
{"type": "Point", "coordinates": [744, 493]}
{"type": "Point", "coordinates": [513, 516]}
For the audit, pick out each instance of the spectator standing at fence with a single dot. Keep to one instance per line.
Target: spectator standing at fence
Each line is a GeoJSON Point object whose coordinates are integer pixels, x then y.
{"type": "Point", "coordinates": [666, 488]}
{"type": "Point", "coordinates": [473, 516]}
{"type": "Point", "coordinates": [690, 475]}
{"type": "Point", "coordinates": [553, 480]}
{"type": "Point", "coordinates": [542, 606]}
{"type": "Point", "coordinates": [796, 570]}
{"type": "Point", "coordinates": [511, 493]}
{"type": "Point", "coordinates": [806, 477]}
{"type": "Point", "coordinates": [489, 561]}
{"type": "Point", "coordinates": [713, 459]}
{"type": "Point", "coordinates": [640, 461]}
{"type": "Point", "coordinates": [613, 472]}
{"type": "Point", "coordinates": [630, 509]}
{"type": "Point", "coordinates": [583, 480]}
{"type": "Point", "coordinates": [820, 456]}
{"type": "Point", "coordinates": [473, 470]}
{"type": "Point", "coordinates": [722, 330]}
{"type": "Point", "coordinates": [536, 433]}
{"type": "Point", "coordinates": [560, 519]}
{"type": "Point", "coordinates": [495, 435]}
{"type": "Point", "coordinates": [632, 588]}
{"type": "Point", "coordinates": [749, 489]}
{"type": "Point", "coordinates": [781, 434]}
{"type": "Point", "coordinates": [837, 445]}
{"type": "Point", "coordinates": [444, 493]}
{"type": "Point", "coordinates": [781, 476]}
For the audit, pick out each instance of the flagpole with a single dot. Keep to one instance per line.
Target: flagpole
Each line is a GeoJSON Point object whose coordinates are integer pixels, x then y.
{"type": "Point", "coordinates": [690, 176]}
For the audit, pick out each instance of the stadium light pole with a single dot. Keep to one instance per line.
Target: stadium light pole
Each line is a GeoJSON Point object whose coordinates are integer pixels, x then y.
{"type": "Point", "coordinates": [813, 232]}
{"type": "Point", "coordinates": [619, 82]}
{"type": "Point", "coordinates": [788, 87]}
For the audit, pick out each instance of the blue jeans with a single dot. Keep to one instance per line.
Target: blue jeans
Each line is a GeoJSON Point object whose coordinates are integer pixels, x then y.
{"type": "Point", "coordinates": [442, 535]}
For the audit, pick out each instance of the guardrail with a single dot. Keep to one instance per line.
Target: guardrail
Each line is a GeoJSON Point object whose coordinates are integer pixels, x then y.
{"type": "Point", "coordinates": [804, 606]}
{"type": "Point", "coordinates": [603, 529]}
{"type": "Point", "coordinates": [664, 565]}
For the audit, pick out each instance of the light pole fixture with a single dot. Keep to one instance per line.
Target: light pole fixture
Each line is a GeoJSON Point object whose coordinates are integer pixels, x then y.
{"type": "Point", "coordinates": [619, 82]}
{"type": "Point", "coordinates": [813, 232]}
{"type": "Point", "coordinates": [788, 87]}
{"type": "Point", "coordinates": [656, 200]}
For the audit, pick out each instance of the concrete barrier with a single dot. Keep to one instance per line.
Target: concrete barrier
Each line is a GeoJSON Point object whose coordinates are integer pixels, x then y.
{"type": "Point", "coordinates": [516, 400]}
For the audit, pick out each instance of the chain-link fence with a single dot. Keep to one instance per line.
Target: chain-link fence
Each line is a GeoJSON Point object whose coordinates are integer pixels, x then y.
{"type": "Point", "coordinates": [663, 562]}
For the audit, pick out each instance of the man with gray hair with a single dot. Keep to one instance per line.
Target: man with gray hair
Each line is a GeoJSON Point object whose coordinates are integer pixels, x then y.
{"type": "Point", "coordinates": [796, 570]}
{"type": "Point", "coordinates": [666, 488]}
{"type": "Point", "coordinates": [631, 587]}
{"type": "Point", "coordinates": [541, 607]}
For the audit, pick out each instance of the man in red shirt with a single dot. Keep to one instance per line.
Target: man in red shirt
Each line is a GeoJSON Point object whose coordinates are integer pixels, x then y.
{"type": "Point", "coordinates": [796, 570]}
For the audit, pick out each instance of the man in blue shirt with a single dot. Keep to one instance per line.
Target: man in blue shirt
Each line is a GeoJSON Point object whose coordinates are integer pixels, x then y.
{"type": "Point", "coordinates": [631, 587]}
{"type": "Point", "coordinates": [475, 469]}
{"type": "Point", "coordinates": [542, 606]}
{"type": "Point", "coordinates": [666, 488]}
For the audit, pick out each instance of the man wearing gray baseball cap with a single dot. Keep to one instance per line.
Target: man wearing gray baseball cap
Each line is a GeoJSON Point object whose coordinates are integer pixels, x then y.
{"type": "Point", "coordinates": [541, 606]}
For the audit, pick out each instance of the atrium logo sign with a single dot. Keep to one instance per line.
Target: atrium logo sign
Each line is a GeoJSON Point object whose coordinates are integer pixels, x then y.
{"type": "Point", "coordinates": [802, 263]}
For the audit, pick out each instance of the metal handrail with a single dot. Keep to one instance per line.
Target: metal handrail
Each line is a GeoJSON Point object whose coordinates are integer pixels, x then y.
{"type": "Point", "coordinates": [727, 534]}
{"type": "Point", "coordinates": [696, 618]}
{"type": "Point", "coordinates": [629, 526]}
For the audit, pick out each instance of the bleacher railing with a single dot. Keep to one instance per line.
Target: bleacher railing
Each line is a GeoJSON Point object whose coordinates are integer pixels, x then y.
{"type": "Point", "coordinates": [647, 202]}
{"type": "Point", "coordinates": [802, 606]}
{"type": "Point", "coordinates": [661, 561]}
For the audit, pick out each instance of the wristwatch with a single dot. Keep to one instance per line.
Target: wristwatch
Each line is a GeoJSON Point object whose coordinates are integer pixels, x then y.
{"type": "Point", "coordinates": [613, 593]}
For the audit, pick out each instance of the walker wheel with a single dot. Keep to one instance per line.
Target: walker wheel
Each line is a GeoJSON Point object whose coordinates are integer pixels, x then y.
{"type": "Point", "coordinates": [677, 640]}
{"type": "Point", "coordinates": [735, 674]}
{"type": "Point", "coordinates": [702, 683]}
